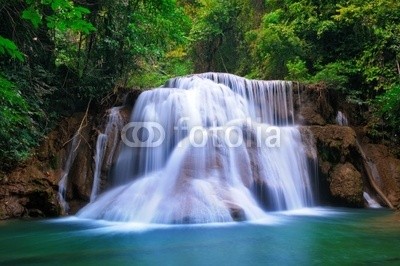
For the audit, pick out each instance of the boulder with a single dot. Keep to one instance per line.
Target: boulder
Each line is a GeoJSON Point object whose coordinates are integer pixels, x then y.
{"type": "Point", "coordinates": [340, 155]}
{"type": "Point", "coordinates": [340, 167]}
{"type": "Point", "coordinates": [346, 185]}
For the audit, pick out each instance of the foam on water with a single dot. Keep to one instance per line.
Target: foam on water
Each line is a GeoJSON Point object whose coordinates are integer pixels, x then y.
{"type": "Point", "coordinates": [231, 152]}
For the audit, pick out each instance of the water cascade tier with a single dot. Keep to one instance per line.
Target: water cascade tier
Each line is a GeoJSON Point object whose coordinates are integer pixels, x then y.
{"type": "Point", "coordinates": [106, 146]}
{"type": "Point", "coordinates": [204, 148]}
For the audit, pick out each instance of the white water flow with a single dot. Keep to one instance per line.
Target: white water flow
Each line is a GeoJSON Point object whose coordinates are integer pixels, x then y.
{"type": "Point", "coordinates": [208, 148]}
{"type": "Point", "coordinates": [63, 183]}
{"type": "Point", "coordinates": [100, 150]}
{"type": "Point", "coordinates": [370, 201]}
{"type": "Point", "coordinates": [341, 119]}
{"type": "Point", "coordinates": [105, 147]}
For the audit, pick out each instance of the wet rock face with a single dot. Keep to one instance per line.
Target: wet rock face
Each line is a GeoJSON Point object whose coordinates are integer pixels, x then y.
{"type": "Point", "coordinates": [334, 143]}
{"type": "Point", "coordinates": [81, 172]}
{"type": "Point", "coordinates": [31, 190]}
{"type": "Point", "coordinates": [386, 171]}
{"type": "Point", "coordinates": [312, 105]}
{"type": "Point", "coordinates": [31, 197]}
{"type": "Point", "coordinates": [344, 173]}
{"type": "Point", "coordinates": [237, 214]}
{"type": "Point", "coordinates": [339, 167]}
{"type": "Point", "coordinates": [346, 185]}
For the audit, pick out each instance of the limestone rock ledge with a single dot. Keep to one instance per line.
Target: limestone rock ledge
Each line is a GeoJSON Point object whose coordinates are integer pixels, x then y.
{"type": "Point", "coordinates": [385, 169]}
{"type": "Point", "coordinates": [342, 173]}
{"type": "Point", "coordinates": [31, 190]}
{"type": "Point", "coordinates": [34, 196]}
{"type": "Point", "coordinates": [343, 155]}
{"type": "Point", "coordinates": [339, 164]}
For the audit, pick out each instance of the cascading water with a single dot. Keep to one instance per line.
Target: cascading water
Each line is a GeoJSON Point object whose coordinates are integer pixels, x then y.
{"type": "Point", "coordinates": [341, 119]}
{"type": "Point", "coordinates": [62, 184]}
{"type": "Point", "coordinates": [105, 147]}
{"type": "Point", "coordinates": [370, 201]}
{"type": "Point", "coordinates": [100, 150]}
{"type": "Point", "coordinates": [208, 148]}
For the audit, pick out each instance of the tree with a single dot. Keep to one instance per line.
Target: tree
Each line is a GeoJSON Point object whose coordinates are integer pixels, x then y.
{"type": "Point", "coordinates": [350, 45]}
{"type": "Point", "coordinates": [27, 52]}
{"type": "Point", "coordinates": [132, 35]}
{"type": "Point", "coordinates": [218, 32]}
{"type": "Point", "coordinates": [58, 55]}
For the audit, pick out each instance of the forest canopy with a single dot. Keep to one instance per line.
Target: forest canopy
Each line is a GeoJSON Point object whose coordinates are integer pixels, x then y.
{"type": "Point", "coordinates": [56, 56]}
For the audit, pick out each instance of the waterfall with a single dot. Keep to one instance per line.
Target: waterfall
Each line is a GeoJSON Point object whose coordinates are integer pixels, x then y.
{"type": "Point", "coordinates": [370, 201]}
{"type": "Point", "coordinates": [208, 147]}
{"type": "Point", "coordinates": [63, 183]}
{"type": "Point", "coordinates": [100, 150]}
{"type": "Point", "coordinates": [106, 146]}
{"type": "Point", "coordinates": [341, 119]}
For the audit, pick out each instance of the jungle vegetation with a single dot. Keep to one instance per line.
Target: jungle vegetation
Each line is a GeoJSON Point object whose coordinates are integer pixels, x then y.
{"type": "Point", "coordinates": [56, 56]}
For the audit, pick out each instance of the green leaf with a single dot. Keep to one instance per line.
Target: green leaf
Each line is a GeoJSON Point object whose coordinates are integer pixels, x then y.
{"type": "Point", "coordinates": [8, 47]}
{"type": "Point", "coordinates": [57, 4]}
{"type": "Point", "coordinates": [82, 10]}
{"type": "Point", "coordinates": [33, 16]}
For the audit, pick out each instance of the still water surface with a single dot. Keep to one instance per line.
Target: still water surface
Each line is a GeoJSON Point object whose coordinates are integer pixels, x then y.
{"type": "Point", "coordinates": [308, 237]}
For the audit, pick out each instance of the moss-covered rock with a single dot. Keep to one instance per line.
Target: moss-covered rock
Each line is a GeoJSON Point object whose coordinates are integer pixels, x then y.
{"type": "Point", "coordinates": [340, 168]}
{"type": "Point", "coordinates": [346, 185]}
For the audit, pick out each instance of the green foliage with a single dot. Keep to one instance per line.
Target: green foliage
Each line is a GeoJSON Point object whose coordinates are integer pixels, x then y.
{"type": "Point", "coordinates": [15, 140]}
{"type": "Point", "coordinates": [12, 103]}
{"type": "Point", "coordinates": [297, 70]}
{"type": "Point", "coordinates": [274, 47]}
{"type": "Point", "coordinates": [389, 104]}
{"type": "Point", "coordinates": [33, 16]}
{"type": "Point", "coordinates": [147, 79]}
{"type": "Point", "coordinates": [64, 16]}
{"type": "Point", "coordinates": [9, 48]}
{"type": "Point", "coordinates": [28, 84]}
{"type": "Point", "coordinates": [132, 37]}
{"type": "Point", "coordinates": [29, 111]}
{"type": "Point", "coordinates": [76, 54]}
{"type": "Point", "coordinates": [65, 55]}
{"type": "Point", "coordinates": [362, 33]}
{"type": "Point", "coordinates": [351, 45]}
{"type": "Point", "coordinates": [217, 35]}
{"type": "Point", "coordinates": [154, 75]}
{"type": "Point", "coordinates": [333, 74]}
